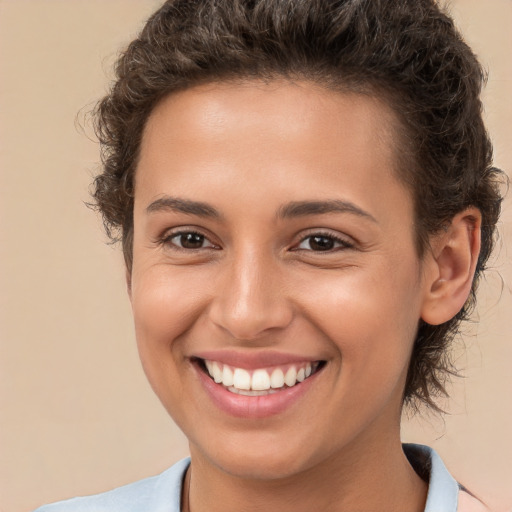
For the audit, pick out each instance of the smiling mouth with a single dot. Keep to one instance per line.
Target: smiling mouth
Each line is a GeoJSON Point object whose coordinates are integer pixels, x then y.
{"type": "Point", "coordinates": [260, 381]}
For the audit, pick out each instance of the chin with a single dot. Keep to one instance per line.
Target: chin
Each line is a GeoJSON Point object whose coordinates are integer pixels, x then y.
{"type": "Point", "coordinates": [248, 457]}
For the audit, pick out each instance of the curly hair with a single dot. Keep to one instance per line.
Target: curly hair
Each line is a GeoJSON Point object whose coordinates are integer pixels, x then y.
{"type": "Point", "coordinates": [407, 52]}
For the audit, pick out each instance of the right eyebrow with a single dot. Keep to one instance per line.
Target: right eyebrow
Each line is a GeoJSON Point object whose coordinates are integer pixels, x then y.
{"type": "Point", "coordinates": [187, 206]}
{"type": "Point", "coordinates": [305, 208]}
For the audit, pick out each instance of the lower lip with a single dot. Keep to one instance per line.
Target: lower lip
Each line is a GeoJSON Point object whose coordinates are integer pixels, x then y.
{"type": "Point", "coordinates": [262, 406]}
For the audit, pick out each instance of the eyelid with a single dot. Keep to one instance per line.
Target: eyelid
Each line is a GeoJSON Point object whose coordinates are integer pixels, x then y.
{"type": "Point", "coordinates": [165, 239]}
{"type": "Point", "coordinates": [344, 241]}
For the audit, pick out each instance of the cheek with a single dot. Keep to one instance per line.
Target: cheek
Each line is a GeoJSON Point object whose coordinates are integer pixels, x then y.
{"type": "Point", "coordinates": [164, 304]}
{"type": "Point", "coordinates": [370, 317]}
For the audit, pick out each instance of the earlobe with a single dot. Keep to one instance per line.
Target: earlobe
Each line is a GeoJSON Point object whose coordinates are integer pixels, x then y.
{"type": "Point", "coordinates": [453, 260]}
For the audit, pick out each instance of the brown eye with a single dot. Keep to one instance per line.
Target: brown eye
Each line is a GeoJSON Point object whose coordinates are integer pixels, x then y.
{"type": "Point", "coordinates": [190, 240]}
{"type": "Point", "coordinates": [319, 243]}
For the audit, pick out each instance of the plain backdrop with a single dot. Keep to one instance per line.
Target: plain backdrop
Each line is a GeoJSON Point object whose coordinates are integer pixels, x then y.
{"type": "Point", "coordinates": [76, 413]}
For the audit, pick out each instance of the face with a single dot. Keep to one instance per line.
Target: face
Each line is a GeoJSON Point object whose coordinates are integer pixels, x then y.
{"type": "Point", "coordinates": [275, 287]}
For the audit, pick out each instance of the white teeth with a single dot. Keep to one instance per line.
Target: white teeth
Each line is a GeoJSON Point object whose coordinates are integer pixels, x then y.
{"type": "Point", "coordinates": [227, 376]}
{"type": "Point", "coordinates": [216, 372]}
{"type": "Point", "coordinates": [260, 380]}
{"type": "Point", "coordinates": [291, 376]}
{"type": "Point", "coordinates": [277, 378]}
{"type": "Point", "coordinates": [241, 379]}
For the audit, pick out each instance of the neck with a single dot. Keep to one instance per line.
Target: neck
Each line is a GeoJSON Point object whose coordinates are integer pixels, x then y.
{"type": "Point", "coordinates": [360, 479]}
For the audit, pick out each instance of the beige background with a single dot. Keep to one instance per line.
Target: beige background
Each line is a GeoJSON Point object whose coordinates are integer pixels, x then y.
{"type": "Point", "coordinates": [76, 414]}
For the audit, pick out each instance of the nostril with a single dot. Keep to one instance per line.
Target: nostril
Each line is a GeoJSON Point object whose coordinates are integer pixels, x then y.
{"type": "Point", "coordinates": [252, 323]}
{"type": "Point", "coordinates": [249, 303]}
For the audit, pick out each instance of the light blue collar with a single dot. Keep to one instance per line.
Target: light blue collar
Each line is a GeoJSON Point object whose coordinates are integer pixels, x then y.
{"type": "Point", "coordinates": [443, 490]}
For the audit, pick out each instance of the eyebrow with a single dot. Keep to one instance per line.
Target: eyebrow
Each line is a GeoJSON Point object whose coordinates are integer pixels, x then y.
{"type": "Point", "coordinates": [186, 206]}
{"type": "Point", "coordinates": [304, 208]}
{"type": "Point", "coordinates": [287, 211]}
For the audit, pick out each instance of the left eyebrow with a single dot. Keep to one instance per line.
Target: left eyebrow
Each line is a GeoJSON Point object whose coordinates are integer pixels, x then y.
{"type": "Point", "coordinates": [304, 208]}
{"type": "Point", "coordinates": [186, 206]}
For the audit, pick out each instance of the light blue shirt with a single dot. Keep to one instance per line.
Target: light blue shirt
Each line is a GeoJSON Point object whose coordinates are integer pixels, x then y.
{"type": "Point", "coordinates": [162, 493]}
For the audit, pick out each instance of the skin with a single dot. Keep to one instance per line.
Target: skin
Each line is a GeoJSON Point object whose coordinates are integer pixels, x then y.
{"type": "Point", "coordinates": [257, 284]}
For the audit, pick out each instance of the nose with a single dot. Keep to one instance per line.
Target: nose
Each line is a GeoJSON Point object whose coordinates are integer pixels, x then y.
{"type": "Point", "coordinates": [251, 300]}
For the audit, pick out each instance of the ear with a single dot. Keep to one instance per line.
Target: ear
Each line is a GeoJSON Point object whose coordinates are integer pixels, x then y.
{"type": "Point", "coordinates": [451, 267]}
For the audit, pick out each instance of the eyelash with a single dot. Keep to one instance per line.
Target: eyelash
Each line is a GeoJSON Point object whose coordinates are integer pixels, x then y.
{"type": "Point", "coordinates": [166, 240]}
{"type": "Point", "coordinates": [343, 243]}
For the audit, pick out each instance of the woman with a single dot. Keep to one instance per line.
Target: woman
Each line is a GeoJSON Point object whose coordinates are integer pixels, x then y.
{"type": "Point", "coordinates": [305, 197]}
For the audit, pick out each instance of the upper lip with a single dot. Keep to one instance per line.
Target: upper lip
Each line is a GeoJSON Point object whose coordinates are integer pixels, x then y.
{"type": "Point", "coordinates": [253, 360]}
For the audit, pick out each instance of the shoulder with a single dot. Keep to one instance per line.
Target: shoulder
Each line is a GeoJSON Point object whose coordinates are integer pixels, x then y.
{"type": "Point", "coordinates": [160, 493]}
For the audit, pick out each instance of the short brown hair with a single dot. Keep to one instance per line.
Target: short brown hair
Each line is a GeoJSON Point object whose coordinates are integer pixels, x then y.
{"type": "Point", "coordinates": [407, 51]}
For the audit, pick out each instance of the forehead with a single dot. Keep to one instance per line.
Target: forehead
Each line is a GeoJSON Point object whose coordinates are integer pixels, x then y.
{"type": "Point", "coordinates": [282, 109]}
{"type": "Point", "coordinates": [241, 132]}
